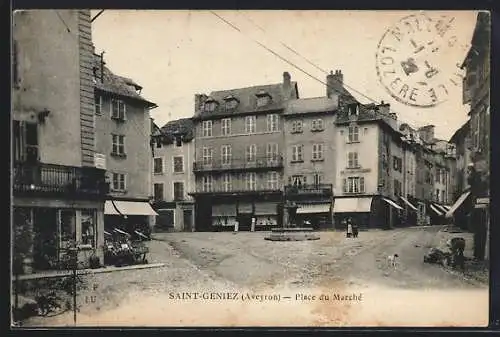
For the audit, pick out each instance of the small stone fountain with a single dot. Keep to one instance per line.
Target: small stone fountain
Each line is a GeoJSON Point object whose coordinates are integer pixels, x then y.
{"type": "Point", "coordinates": [290, 231]}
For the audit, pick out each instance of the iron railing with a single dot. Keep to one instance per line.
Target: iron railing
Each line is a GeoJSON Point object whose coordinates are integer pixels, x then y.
{"type": "Point", "coordinates": [52, 178]}
{"type": "Point", "coordinates": [255, 163]}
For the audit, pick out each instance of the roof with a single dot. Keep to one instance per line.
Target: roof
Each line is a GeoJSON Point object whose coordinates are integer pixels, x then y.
{"type": "Point", "coordinates": [311, 105]}
{"type": "Point", "coordinates": [460, 133]}
{"type": "Point", "coordinates": [155, 129]}
{"type": "Point", "coordinates": [481, 30]}
{"type": "Point", "coordinates": [247, 98]}
{"type": "Point", "coordinates": [118, 85]}
{"type": "Point", "coordinates": [183, 127]}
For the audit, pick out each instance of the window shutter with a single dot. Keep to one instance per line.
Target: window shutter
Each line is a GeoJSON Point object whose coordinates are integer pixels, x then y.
{"type": "Point", "coordinates": [362, 184]}
{"type": "Point", "coordinates": [344, 185]}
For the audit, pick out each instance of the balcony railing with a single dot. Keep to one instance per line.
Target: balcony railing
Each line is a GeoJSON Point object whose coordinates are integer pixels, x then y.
{"type": "Point", "coordinates": [59, 179]}
{"type": "Point", "coordinates": [309, 190]}
{"type": "Point", "coordinates": [233, 164]}
{"type": "Point", "coordinates": [238, 189]}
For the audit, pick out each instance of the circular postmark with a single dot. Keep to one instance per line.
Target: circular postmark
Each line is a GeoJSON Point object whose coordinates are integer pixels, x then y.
{"type": "Point", "coordinates": [416, 60]}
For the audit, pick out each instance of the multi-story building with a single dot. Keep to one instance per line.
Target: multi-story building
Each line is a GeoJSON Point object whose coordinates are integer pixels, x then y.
{"type": "Point", "coordinates": [369, 166]}
{"type": "Point", "coordinates": [410, 145]}
{"type": "Point", "coordinates": [239, 155]}
{"type": "Point", "coordinates": [476, 93]}
{"type": "Point", "coordinates": [58, 192]}
{"type": "Point", "coordinates": [173, 176]}
{"type": "Point", "coordinates": [461, 140]}
{"type": "Point", "coordinates": [309, 128]}
{"type": "Point", "coordinates": [123, 135]}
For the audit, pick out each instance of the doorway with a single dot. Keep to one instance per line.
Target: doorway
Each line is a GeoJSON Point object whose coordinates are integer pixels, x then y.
{"type": "Point", "coordinates": [46, 245]}
{"type": "Point", "coordinates": [245, 222]}
{"type": "Point", "coordinates": [188, 220]}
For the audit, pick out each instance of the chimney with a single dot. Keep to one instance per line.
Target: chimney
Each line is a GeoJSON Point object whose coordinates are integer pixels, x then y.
{"type": "Point", "coordinates": [384, 108]}
{"type": "Point", "coordinates": [334, 83]}
{"type": "Point", "coordinates": [426, 133]}
{"type": "Point", "coordinates": [199, 99]}
{"type": "Point", "coordinates": [287, 85]}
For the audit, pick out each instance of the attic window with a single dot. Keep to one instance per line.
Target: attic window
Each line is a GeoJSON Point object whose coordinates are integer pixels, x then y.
{"type": "Point", "coordinates": [210, 105]}
{"type": "Point", "coordinates": [263, 98]}
{"type": "Point", "coordinates": [354, 109]}
{"type": "Point", "coordinates": [231, 102]}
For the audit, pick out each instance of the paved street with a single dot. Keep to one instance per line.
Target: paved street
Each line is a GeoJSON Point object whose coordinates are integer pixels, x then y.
{"type": "Point", "coordinates": [246, 263]}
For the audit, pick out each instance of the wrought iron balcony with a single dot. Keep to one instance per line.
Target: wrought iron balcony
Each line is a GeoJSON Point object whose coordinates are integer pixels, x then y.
{"type": "Point", "coordinates": [239, 164]}
{"type": "Point", "coordinates": [325, 190]}
{"type": "Point", "coordinates": [238, 188]}
{"type": "Point", "coordinates": [40, 178]}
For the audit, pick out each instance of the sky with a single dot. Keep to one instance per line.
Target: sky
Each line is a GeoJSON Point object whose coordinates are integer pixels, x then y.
{"type": "Point", "coordinates": [176, 54]}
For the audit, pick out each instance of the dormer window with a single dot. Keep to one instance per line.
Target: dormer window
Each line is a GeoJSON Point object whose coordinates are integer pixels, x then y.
{"type": "Point", "coordinates": [353, 109]}
{"type": "Point", "coordinates": [230, 102]}
{"type": "Point", "coordinates": [210, 105]}
{"type": "Point", "coordinates": [263, 98]}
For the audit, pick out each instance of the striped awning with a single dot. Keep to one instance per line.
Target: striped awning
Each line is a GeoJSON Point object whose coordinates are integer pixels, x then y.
{"type": "Point", "coordinates": [457, 204]}
{"type": "Point", "coordinates": [115, 207]}
{"type": "Point", "coordinates": [406, 201]}
{"type": "Point", "coordinates": [313, 208]}
{"type": "Point", "coordinates": [436, 210]}
{"type": "Point", "coordinates": [392, 203]}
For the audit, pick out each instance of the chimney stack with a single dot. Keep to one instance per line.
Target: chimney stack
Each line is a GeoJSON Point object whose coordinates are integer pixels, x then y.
{"type": "Point", "coordinates": [426, 133]}
{"type": "Point", "coordinates": [384, 108]}
{"type": "Point", "coordinates": [199, 99]}
{"type": "Point", "coordinates": [287, 85]}
{"type": "Point", "coordinates": [334, 83]}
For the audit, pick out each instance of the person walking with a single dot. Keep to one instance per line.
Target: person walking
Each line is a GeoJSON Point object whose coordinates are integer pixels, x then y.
{"type": "Point", "coordinates": [349, 228]}
{"type": "Point", "coordinates": [355, 229]}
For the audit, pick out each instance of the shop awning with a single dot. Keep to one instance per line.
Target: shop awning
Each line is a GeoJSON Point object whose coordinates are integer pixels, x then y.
{"type": "Point", "coordinates": [409, 203]}
{"type": "Point", "coordinates": [441, 208]}
{"type": "Point", "coordinates": [115, 207]}
{"type": "Point", "coordinates": [436, 210]}
{"type": "Point", "coordinates": [352, 205]}
{"type": "Point", "coordinates": [457, 204]}
{"type": "Point", "coordinates": [392, 203]}
{"type": "Point", "coordinates": [313, 208]}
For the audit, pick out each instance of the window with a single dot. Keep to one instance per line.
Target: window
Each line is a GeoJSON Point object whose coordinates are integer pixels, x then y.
{"type": "Point", "coordinates": [210, 106]}
{"type": "Point", "coordinates": [119, 182]}
{"type": "Point", "coordinates": [207, 128]}
{"type": "Point", "coordinates": [317, 179]}
{"type": "Point", "coordinates": [158, 165]}
{"type": "Point", "coordinates": [297, 153]}
{"type": "Point", "coordinates": [227, 183]}
{"type": "Point", "coordinates": [443, 198]}
{"type": "Point", "coordinates": [251, 153]}
{"type": "Point", "coordinates": [317, 125]}
{"type": "Point", "coordinates": [397, 164]}
{"type": "Point", "coordinates": [98, 104]}
{"type": "Point", "coordinates": [251, 181]}
{"type": "Point", "coordinates": [353, 134]}
{"type": "Point", "coordinates": [118, 148]}
{"type": "Point", "coordinates": [272, 180]}
{"type": "Point", "coordinates": [158, 191]}
{"type": "Point", "coordinates": [88, 220]}
{"type": "Point", "coordinates": [117, 109]}
{"type": "Point", "coordinates": [67, 220]}
{"type": "Point", "coordinates": [438, 175]}
{"type": "Point", "coordinates": [231, 103]}
{"type": "Point", "coordinates": [397, 187]}
{"type": "Point", "coordinates": [226, 126]}
{"type": "Point", "coordinates": [443, 177]}
{"type": "Point", "coordinates": [226, 154]}
{"type": "Point", "coordinates": [352, 160]}
{"type": "Point", "coordinates": [298, 180]}
{"type": "Point", "coordinates": [178, 191]}
{"type": "Point", "coordinates": [272, 122]}
{"type": "Point", "coordinates": [272, 152]}
{"type": "Point", "coordinates": [207, 156]}
{"type": "Point", "coordinates": [207, 183]}
{"type": "Point", "coordinates": [297, 127]}
{"type": "Point", "coordinates": [317, 152]}
{"type": "Point", "coordinates": [263, 100]}
{"type": "Point", "coordinates": [437, 195]}
{"type": "Point", "coordinates": [178, 141]}
{"type": "Point", "coordinates": [250, 122]}
{"type": "Point", "coordinates": [178, 164]}
{"type": "Point", "coordinates": [25, 141]}
{"type": "Point", "coordinates": [354, 185]}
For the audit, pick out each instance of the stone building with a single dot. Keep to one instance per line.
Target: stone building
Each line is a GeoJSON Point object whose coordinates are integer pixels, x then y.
{"type": "Point", "coordinates": [173, 176]}
{"type": "Point", "coordinates": [58, 191]}
{"type": "Point", "coordinates": [239, 156]}
{"type": "Point", "coordinates": [123, 134]}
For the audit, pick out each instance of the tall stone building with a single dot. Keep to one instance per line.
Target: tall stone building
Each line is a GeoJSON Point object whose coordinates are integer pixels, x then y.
{"type": "Point", "coordinates": [239, 155]}
{"type": "Point", "coordinates": [58, 191]}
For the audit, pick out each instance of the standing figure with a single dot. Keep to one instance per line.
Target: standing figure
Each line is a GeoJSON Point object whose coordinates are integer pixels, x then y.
{"type": "Point", "coordinates": [349, 228]}
{"type": "Point", "coordinates": [355, 229]}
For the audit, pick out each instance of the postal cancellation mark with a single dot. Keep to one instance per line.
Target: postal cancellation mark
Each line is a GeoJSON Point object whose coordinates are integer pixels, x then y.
{"type": "Point", "coordinates": [414, 60]}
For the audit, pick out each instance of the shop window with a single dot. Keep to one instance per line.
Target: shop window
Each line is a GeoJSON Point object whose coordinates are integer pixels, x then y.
{"type": "Point", "coordinates": [88, 228]}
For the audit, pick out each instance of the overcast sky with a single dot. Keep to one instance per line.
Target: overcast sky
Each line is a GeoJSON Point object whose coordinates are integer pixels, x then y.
{"type": "Point", "coordinates": [175, 54]}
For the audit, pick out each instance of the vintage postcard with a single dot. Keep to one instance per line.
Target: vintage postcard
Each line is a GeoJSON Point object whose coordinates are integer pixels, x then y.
{"type": "Point", "coordinates": [197, 168]}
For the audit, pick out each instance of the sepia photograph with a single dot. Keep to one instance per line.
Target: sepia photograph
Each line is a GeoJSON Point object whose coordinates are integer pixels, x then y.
{"type": "Point", "coordinates": [250, 168]}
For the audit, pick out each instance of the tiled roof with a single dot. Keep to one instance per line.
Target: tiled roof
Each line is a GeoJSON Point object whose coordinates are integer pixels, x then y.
{"type": "Point", "coordinates": [117, 85]}
{"type": "Point", "coordinates": [460, 132]}
{"type": "Point", "coordinates": [247, 98]}
{"type": "Point", "coordinates": [183, 127]}
{"type": "Point", "coordinates": [311, 105]}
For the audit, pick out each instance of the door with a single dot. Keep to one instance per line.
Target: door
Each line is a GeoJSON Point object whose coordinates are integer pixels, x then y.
{"type": "Point", "coordinates": [245, 221]}
{"type": "Point", "coordinates": [188, 220]}
{"type": "Point", "coordinates": [46, 238]}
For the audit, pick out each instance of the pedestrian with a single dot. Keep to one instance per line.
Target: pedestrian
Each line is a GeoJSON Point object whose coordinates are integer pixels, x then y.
{"type": "Point", "coordinates": [355, 229]}
{"type": "Point", "coordinates": [349, 228]}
